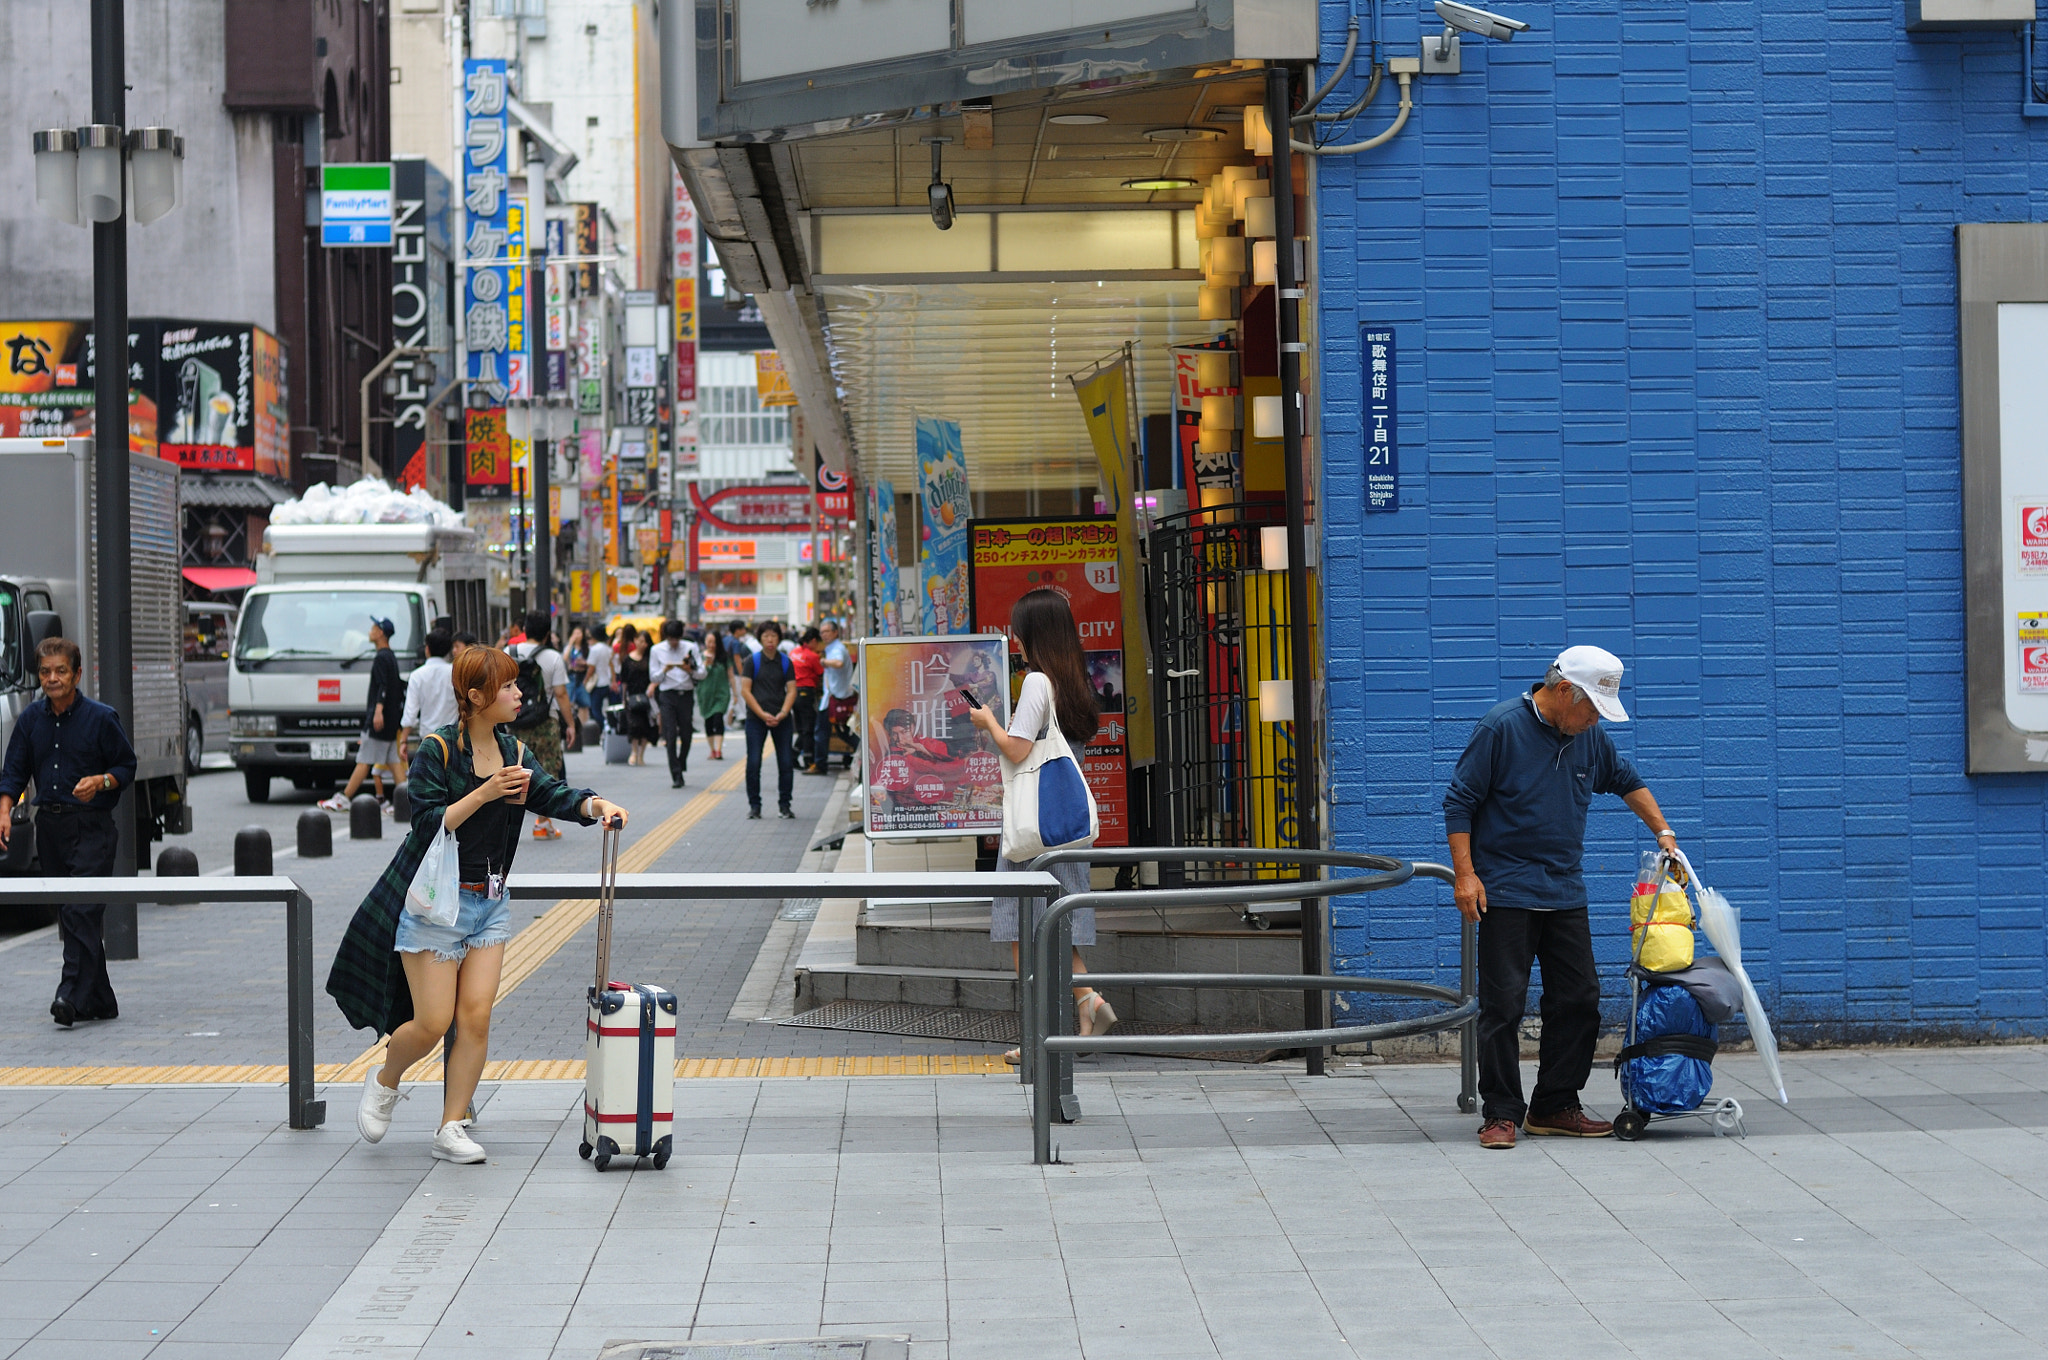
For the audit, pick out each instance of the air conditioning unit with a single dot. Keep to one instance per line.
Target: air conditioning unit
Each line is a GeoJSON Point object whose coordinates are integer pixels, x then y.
{"type": "Point", "coordinates": [1923, 16]}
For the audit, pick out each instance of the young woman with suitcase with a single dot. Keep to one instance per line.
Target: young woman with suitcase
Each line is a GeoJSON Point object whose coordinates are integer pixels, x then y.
{"type": "Point", "coordinates": [409, 978]}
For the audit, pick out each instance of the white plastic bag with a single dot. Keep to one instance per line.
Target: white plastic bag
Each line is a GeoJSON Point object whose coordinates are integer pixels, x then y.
{"type": "Point", "coordinates": [435, 892]}
{"type": "Point", "coordinates": [1721, 923]}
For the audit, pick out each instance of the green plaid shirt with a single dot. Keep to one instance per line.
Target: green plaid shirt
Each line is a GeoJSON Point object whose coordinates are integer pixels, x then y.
{"type": "Point", "coordinates": [368, 978]}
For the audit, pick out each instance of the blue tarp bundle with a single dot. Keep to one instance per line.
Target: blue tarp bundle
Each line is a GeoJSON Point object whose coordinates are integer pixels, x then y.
{"type": "Point", "coordinates": [1668, 1083]}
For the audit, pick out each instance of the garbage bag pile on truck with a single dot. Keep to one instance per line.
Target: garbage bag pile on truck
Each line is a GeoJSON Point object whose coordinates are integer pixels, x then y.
{"type": "Point", "coordinates": [369, 501]}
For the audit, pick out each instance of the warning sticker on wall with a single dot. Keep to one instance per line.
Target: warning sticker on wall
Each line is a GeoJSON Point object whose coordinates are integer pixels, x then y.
{"type": "Point", "coordinates": [2033, 538]}
{"type": "Point", "coordinates": [2033, 653]}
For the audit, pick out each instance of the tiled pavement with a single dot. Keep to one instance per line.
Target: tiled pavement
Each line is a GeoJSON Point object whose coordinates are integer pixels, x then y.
{"type": "Point", "coordinates": [1895, 1209]}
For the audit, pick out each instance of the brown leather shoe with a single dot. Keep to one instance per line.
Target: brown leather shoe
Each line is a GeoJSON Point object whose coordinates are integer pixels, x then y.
{"type": "Point", "coordinates": [1572, 1123]}
{"type": "Point", "coordinates": [1497, 1134]}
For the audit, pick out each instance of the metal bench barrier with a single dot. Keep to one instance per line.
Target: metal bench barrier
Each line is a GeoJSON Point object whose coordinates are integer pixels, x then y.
{"type": "Point", "coordinates": [306, 1112]}
{"type": "Point", "coordinates": [1046, 1057]}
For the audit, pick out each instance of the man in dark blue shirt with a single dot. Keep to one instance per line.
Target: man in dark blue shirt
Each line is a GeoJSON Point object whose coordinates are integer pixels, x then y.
{"type": "Point", "coordinates": [1515, 815]}
{"type": "Point", "coordinates": [74, 750]}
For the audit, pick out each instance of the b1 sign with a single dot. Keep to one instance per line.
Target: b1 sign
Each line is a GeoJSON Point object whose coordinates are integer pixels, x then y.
{"type": "Point", "coordinates": [355, 205]}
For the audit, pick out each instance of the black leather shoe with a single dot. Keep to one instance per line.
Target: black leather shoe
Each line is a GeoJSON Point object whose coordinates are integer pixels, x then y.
{"type": "Point", "coordinates": [753, 814]}
{"type": "Point", "coordinates": [114, 1014]}
{"type": "Point", "coordinates": [61, 1012]}
{"type": "Point", "coordinates": [786, 814]}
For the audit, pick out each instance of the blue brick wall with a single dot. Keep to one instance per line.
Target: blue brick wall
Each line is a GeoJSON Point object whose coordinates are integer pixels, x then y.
{"type": "Point", "coordinates": [1675, 296]}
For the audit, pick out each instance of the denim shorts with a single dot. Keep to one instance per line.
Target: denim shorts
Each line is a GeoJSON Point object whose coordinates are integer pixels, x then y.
{"type": "Point", "coordinates": [479, 921]}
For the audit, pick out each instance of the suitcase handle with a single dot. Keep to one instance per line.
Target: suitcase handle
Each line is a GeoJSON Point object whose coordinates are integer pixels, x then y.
{"type": "Point", "coordinates": [607, 890]}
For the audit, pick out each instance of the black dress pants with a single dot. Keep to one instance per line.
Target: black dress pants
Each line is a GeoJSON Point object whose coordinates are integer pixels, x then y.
{"type": "Point", "coordinates": [1510, 938]}
{"type": "Point", "coordinates": [678, 726]}
{"type": "Point", "coordinates": [80, 844]}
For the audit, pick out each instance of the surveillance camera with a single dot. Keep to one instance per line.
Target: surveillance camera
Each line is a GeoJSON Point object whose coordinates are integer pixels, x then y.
{"type": "Point", "coordinates": [1485, 23]}
{"type": "Point", "coordinates": [942, 205]}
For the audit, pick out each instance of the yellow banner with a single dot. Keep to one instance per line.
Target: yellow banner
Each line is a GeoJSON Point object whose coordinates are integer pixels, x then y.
{"type": "Point", "coordinates": [1269, 740]}
{"type": "Point", "coordinates": [771, 379]}
{"type": "Point", "coordinates": [1105, 397]}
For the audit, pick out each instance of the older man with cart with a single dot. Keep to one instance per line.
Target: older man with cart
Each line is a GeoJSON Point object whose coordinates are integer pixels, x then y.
{"type": "Point", "coordinates": [1515, 815]}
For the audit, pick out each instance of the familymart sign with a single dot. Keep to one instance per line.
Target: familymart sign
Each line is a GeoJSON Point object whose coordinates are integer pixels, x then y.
{"type": "Point", "coordinates": [355, 205]}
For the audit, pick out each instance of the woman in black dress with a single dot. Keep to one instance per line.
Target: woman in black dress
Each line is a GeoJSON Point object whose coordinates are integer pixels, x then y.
{"type": "Point", "coordinates": [631, 652]}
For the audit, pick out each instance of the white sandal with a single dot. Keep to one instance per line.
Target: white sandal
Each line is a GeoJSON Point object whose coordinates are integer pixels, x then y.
{"type": "Point", "coordinates": [1094, 1015]}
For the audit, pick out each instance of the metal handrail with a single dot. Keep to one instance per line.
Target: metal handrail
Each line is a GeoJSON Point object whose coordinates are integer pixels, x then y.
{"type": "Point", "coordinates": [1045, 1057]}
{"type": "Point", "coordinates": [305, 1112]}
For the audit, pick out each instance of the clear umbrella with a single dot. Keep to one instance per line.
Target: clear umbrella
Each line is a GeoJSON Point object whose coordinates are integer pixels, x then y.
{"type": "Point", "coordinates": [1722, 925]}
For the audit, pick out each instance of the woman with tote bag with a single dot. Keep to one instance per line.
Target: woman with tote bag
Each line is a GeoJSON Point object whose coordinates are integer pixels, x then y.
{"type": "Point", "coordinates": [409, 975]}
{"type": "Point", "coordinates": [1055, 690]}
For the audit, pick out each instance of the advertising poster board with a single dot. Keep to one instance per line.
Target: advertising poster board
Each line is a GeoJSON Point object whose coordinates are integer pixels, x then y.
{"type": "Point", "coordinates": [1079, 559]}
{"type": "Point", "coordinates": [882, 556]}
{"type": "Point", "coordinates": [929, 770]}
{"type": "Point", "coordinates": [943, 509]}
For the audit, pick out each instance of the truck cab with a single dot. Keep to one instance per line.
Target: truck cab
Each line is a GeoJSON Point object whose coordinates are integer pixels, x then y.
{"type": "Point", "coordinates": [299, 675]}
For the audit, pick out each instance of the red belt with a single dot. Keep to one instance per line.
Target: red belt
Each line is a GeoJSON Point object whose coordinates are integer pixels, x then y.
{"type": "Point", "coordinates": [473, 887]}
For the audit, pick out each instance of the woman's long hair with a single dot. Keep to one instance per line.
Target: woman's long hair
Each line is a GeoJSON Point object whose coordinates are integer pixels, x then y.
{"type": "Point", "coordinates": [1044, 627]}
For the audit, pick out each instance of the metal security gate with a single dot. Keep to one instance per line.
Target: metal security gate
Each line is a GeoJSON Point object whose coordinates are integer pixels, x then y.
{"type": "Point", "coordinates": [1226, 769]}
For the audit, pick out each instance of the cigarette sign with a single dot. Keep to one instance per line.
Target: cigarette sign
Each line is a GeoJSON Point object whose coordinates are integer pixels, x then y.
{"type": "Point", "coordinates": [2033, 538]}
{"type": "Point", "coordinates": [2033, 653]}
{"type": "Point", "coordinates": [355, 205]}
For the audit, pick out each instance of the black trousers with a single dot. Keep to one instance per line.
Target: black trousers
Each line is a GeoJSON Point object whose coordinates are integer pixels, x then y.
{"type": "Point", "coordinates": [678, 726]}
{"type": "Point", "coordinates": [759, 734]}
{"type": "Point", "coordinates": [80, 844]}
{"type": "Point", "coordinates": [805, 716]}
{"type": "Point", "coordinates": [1510, 938]}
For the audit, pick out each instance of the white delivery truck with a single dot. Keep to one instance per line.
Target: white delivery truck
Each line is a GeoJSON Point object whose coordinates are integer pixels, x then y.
{"type": "Point", "coordinates": [299, 673]}
{"type": "Point", "coordinates": [49, 588]}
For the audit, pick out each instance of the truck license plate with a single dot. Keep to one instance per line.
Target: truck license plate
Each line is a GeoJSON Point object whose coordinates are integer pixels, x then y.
{"type": "Point", "coordinates": [330, 750]}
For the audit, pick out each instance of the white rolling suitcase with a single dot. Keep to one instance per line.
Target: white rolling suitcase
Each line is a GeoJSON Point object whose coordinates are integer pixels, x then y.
{"type": "Point", "coordinates": [629, 1075]}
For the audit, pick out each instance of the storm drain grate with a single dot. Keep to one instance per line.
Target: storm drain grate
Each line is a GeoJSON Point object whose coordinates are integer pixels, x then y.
{"type": "Point", "coordinates": [809, 1348]}
{"type": "Point", "coordinates": [798, 909]}
{"type": "Point", "coordinates": [978, 1026]}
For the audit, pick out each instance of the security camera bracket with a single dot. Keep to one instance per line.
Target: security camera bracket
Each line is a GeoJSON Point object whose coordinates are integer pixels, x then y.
{"type": "Point", "coordinates": [1443, 55]}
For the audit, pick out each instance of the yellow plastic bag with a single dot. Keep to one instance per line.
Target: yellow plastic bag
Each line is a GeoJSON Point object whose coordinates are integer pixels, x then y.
{"type": "Point", "coordinates": [1660, 919]}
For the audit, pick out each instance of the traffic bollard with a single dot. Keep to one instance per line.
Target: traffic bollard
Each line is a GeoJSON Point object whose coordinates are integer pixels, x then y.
{"type": "Point", "coordinates": [177, 861]}
{"type": "Point", "coordinates": [401, 804]}
{"type": "Point", "coordinates": [365, 818]}
{"type": "Point", "coordinates": [252, 853]}
{"type": "Point", "coordinates": [316, 834]}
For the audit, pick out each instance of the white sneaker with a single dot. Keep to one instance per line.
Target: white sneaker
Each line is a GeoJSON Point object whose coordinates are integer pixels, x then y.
{"type": "Point", "coordinates": [453, 1144]}
{"type": "Point", "coordinates": [333, 802]}
{"type": "Point", "coordinates": [373, 1112]}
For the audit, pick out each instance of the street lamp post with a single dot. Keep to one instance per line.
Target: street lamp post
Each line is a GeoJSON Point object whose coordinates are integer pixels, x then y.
{"type": "Point", "coordinates": [88, 175]}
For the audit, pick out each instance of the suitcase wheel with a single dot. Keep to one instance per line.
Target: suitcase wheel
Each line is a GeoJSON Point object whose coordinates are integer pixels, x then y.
{"type": "Point", "coordinates": [661, 1152]}
{"type": "Point", "coordinates": [606, 1150]}
{"type": "Point", "coordinates": [583, 1151]}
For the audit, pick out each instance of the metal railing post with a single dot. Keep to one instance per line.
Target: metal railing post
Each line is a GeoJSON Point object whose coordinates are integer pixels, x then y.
{"type": "Point", "coordinates": [1061, 1004]}
{"type": "Point", "coordinates": [1027, 1004]}
{"type": "Point", "coordinates": [1468, 1033]}
{"type": "Point", "coordinates": [306, 1112]}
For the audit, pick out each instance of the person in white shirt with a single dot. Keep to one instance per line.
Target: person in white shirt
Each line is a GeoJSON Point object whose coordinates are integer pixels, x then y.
{"type": "Point", "coordinates": [430, 693]}
{"type": "Point", "coordinates": [674, 667]}
{"type": "Point", "coordinates": [602, 672]}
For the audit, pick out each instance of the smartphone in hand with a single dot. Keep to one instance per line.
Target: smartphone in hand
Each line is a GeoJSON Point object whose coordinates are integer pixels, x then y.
{"type": "Point", "coordinates": [968, 695]}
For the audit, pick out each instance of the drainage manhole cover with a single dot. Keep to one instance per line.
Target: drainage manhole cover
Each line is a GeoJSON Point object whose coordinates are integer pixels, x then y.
{"type": "Point", "coordinates": [977, 1026]}
{"type": "Point", "coordinates": [809, 1348]}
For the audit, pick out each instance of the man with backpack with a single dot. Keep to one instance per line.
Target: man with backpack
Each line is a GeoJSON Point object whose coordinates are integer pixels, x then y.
{"type": "Point", "coordinates": [768, 689]}
{"type": "Point", "coordinates": [543, 694]}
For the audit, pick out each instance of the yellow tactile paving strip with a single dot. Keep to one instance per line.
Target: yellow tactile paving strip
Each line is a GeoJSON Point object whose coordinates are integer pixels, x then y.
{"type": "Point", "coordinates": [537, 943]}
{"type": "Point", "coordinates": [517, 1069]}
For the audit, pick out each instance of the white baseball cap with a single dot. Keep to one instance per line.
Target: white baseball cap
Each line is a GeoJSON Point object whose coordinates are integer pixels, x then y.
{"type": "Point", "coordinates": [1597, 671]}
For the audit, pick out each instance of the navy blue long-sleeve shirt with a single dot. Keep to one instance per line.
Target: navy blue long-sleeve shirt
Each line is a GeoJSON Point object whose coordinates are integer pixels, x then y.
{"type": "Point", "coordinates": [59, 749]}
{"type": "Point", "coordinates": [1521, 790]}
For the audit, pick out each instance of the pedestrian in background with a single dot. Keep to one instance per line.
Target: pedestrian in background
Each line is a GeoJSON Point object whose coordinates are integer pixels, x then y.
{"type": "Point", "coordinates": [383, 720]}
{"type": "Point", "coordinates": [576, 657]}
{"type": "Point", "coordinates": [1055, 690]}
{"type": "Point", "coordinates": [837, 662]}
{"type": "Point", "coordinates": [634, 676]}
{"type": "Point", "coordinates": [714, 693]}
{"type": "Point", "coordinates": [676, 665]}
{"type": "Point", "coordinates": [542, 731]}
{"type": "Point", "coordinates": [597, 678]}
{"type": "Point", "coordinates": [464, 640]}
{"type": "Point", "coordinates": [402, 975]}
{"type": "Point", "coordinates": [1515, 817]}
{"type": "Point", "coordinates": [809, 666]}
{"type": "Point", "coordinates": [768, 690]}
{"type": "Point", "coordinates": [430, 694]}
{"type": "Point", "coordinates": [74, 750]}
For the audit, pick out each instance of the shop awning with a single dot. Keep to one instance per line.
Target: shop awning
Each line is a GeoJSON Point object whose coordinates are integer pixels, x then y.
{"type": "Point", "coordinates": [221, 578]}
{"type": "Point", "coordinates": [231, 490]}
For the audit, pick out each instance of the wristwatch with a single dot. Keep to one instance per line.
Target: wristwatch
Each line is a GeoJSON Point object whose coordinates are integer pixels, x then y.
{"type": "Point", "coordinates": [106, 782]}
